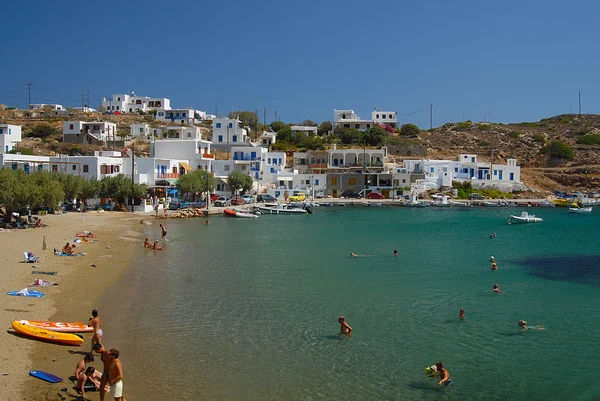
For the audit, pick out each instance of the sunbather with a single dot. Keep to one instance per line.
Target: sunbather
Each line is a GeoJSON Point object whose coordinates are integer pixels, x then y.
{"type": "Point", "coordinates": [67, 249]}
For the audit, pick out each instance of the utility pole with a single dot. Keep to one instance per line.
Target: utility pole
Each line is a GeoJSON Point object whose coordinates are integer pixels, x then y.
{"type": "Point", "coordinates": [430, 116]}
{"type": "Point", "coordinates": [132, 174]}
{"type": "Point", "coordinates": [276, 115]}
{"type": "Point", "coordinates": [265, 118]}
{"type": "Point", "coordinates": [579, 102]}
{"type": "Point", "coordinates": [29, 87]}
{"type": "Point", "coordinates": [88, 100]}
{"type": "Point", "coordinates": [216, 111]}
{"type": "Point", "coordinates": [82, 95]}
{"type": "Point", "coordinates": [228, 141]}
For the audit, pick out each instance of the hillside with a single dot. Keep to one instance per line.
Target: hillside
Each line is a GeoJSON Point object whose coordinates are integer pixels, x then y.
{"type": "Point", "coordinates": [491, 141]}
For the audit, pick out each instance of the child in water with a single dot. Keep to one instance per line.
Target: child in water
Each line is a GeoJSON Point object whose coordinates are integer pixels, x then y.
{"type": "Point", "coordinates": [345, 327]}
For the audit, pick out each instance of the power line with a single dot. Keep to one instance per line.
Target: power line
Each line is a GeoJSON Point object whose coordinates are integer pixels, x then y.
{"type": "Point", "coordinates": [414, 112]}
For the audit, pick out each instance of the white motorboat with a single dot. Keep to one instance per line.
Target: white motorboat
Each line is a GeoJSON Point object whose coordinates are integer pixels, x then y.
{"type": "Point", "coordinates": [580, 210]}
{"type": "Point", "coordinates": [373, 204]}
{"type": "Point", "coordinates": [524, 218]}
{"type": "Point", "coordinates": [280, 208]}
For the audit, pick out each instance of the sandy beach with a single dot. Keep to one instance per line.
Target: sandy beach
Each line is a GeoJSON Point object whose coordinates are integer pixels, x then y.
{"type": "Point", "coordinates": [80, 285]}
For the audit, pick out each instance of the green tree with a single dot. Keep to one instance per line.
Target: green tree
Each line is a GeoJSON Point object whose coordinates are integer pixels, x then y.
{"type": "Point", "coordinates": [248, 118]}
{"type": "Point", "coordinates": [72, 185]}
{"type": "Point", "coordinates": [238, 180]}
{"type": "Point", "coordinates": [89, 190]}
{"type": "Point", "coordinates": [43, 131]}
{"type": "Point", "coordinates": [119, 188]}
{"type": "Point", "coordinates": [47, 190]}
{"type": "Point", "coordinates": [559, 150]}
{"type": "Point", "coordinates": [375, 136]}
{"type": "Point", "coordinates": [285, 134]}
{"type": "Point", "coordinates": [309, 123]}
{"type": "Point", "coordinates": [350, 136]}
{"type": "Point", "coordinates": [409, 130]}
{"type": "Point", "coordinates": [13, 190]}
{"type": "Point", "coordinates": [325, 128]}
{"type": "Point", "coordinates": [196, 182]}
{"type": "Point", "coordinates": [276, 126]}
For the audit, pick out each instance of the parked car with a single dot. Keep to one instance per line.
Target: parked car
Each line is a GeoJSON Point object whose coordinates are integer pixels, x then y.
{"type": "Point", "coordinates": [350, 194]}
{"type": "Point", "coordinates": [375, 195]}
{"type": "Point", "coordinates": [174, 205]}
{"type": "Point", "coordinates": [476, 196]}
{"type": "Point", "coordinates": [223, 201]}
{"type": "Point", "coordinates": [117, 112]}
{"type": "Point", "coordinates": [298, 197]}
{"type": "Point", "coordinates": [237, 201]}
{"type": "Point", "coordinates": [266, 198]}
{"type": "Point", "coordinates": [320, 195]}
{"type": "Point", "coordinates": [214, 197]}
{"type": "Point", "coordinates": [248, 198]}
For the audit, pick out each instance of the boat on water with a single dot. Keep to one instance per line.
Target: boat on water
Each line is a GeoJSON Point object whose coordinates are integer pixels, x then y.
{"type": "Point", "coordinates": [461, 204]}
{"type": "Point", "coordinates": [564, 202]}
{"type": "Point", "coordinates": [240, 214]}
{"type": "Point", "coordinates": [281, 208]}
{"type": "Point", "coordinates": [324, 204]}
{"type": "Point", "coordinates": [414, 204]}
{"type": "Point", "coordinates": [373, 204]}
{"type": "Point", "coordinates": [580, 210]}
{"type": "Point", "coordinates": [524, 218]}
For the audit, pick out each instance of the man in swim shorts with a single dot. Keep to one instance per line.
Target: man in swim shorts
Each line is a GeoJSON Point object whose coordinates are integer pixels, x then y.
{"type": "Point", "coordinates": [444, 374]}
{"type": "Point", "coordinates": [163, 232]}
{"type": "Point", "coordinates": [116, 375]}
{"type": "Point", "coordinates": [345, 327]}
{"type": "Point", "coordinates": [96, 323]}
{"type": "Point", "coordinates": [107, 361]}
{"type": "Point", "coordinates": [495, 288]}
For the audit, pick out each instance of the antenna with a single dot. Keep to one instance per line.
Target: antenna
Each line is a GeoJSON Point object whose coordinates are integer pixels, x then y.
{"type": "Point", "coordinates": [29, 87]}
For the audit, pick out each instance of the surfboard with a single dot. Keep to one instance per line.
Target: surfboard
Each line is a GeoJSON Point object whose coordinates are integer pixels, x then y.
{"type": "Point", "coordinates": [45, 376]}
{"type": "Point", "coordinates": [64, 327]}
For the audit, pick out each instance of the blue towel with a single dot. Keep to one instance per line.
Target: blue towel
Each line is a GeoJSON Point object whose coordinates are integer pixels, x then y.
{"type": "Point", "coordinates": [30, 293]}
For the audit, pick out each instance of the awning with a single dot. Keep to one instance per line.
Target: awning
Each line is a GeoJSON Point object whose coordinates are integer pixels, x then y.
{"type": "Point", "coordinates": [185, 166]}
{"type": "Point", "coordinates": [285, 178]}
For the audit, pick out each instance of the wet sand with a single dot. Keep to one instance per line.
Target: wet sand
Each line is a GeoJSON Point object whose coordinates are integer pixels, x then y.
{"type": "Point", "coordinates": [80, 287]}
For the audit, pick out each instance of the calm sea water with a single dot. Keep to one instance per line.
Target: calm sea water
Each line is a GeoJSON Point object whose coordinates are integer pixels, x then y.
{"type": "Point", "coordinates": [247, 309]}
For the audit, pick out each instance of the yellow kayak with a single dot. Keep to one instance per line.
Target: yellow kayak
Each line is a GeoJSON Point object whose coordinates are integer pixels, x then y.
{"type": "Point", "coordinates": [46, 335]}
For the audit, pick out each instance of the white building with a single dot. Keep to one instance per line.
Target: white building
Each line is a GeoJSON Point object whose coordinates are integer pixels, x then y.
{"type": "Point", "coordinates": [105, 164]}
{"type": "Point", "coordinates": [228, 132]}
{"type": "Point", "coordinates": [38, 106]}
{"type": "Point", "coordinates": [10, 136]}
{"type": "Point", "coordinates": [195, 152]}
{"type": "Point", "coordinates": [176, 132]}
{"type": "Point", "coordinates": [178, 116]}
{"type": "Point", "coordinates": [134, 104]}
{"type": "Point", "coordinates": [268, 138]}
{"type": "Point", "coordinates": [347, 118]}
{"type": "Point", "coordinates": [353, 158]}
{"type": "Point", "coordinates": [141, 131]}
{"type": "Point", "coordinates": [154, 171]}
{"type": "Point", "coordinates": [30, 164]}
{"type": "Point", "coordinates": [304, 130]}
{"type": "Point", "coordinates": [95, 132]}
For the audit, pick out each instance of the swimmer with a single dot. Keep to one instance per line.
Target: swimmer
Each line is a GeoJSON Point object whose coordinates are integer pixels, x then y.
{"type": "Point", "coordinates": [495, 288]}
{"type": "Point", "coordinates": [444, 374]}
{"type": "Point", "coordinates": [461, 314]}
{"type": "Point", "coordinates": [494, 235]}
{"type": "Point", "coordinates": [494, 266]}
{"type": "Point", "coordinates": [523, 324]}
{"type": "Point", "coordinates": [147, 243]}
{"type": "Point", "coordinates": [492, 259]}
{"type": "Point", "coordinates": [157, 247]}
{"type": "Point", "coordinates": [395, 252]}
{"type": "Point", "coordinates": [355, 255]}
{"type": "Point", "coordinates": [96, 322]}
{"type": "Point", "coordinates": [345, 327]}
{"type": "Point", "coordinates": [206, 223]}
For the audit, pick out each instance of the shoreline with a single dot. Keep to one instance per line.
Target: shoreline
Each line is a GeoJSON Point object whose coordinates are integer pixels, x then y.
{"type": "Point", "coordinates": [80, 289]}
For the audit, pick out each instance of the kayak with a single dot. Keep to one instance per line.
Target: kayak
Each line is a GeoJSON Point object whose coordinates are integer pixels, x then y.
{"type": "Point", "coordinates": [46, 335]}
{"type": "Point", "coordinates": [63, 327]}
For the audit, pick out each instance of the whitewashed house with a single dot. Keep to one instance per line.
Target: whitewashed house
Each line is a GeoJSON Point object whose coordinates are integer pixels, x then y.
{"type": "Point", "coordinates": [30, 164]}
{"type": "Point", "coordinates": [228, 132]}
{"type": "Point", "coordinates": [268, 138]}
{"type": "Point", "coordinates": [10, 136]}
{"type": "Point", "coordinates": [141, 131]}
{"type": "Point", "coordinates": [179, 132]}
{"type": "Point", "coordinates": [353, 158]}
{"type": "Point", "coordinates": [305, 130]}
{"type": "Point", "coordinates": [40, 106]}
{"type": "Point", "coordinates": [102, 164]}
{"type": "Point", "coordinates": [178, 116]}
{"type": "Point", "coordinates": [134, 104]}
{"type": "Point", "coordinates": [347, 118]}
{"type": "Point", "coordinates": [196, 152]}
{"type": "Point", "coordinates": [95, 132]}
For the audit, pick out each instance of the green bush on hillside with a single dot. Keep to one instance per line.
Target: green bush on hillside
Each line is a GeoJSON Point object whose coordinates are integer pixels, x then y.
{"type": "Point", "coordinates": [589, 139]}
{"type": "Point", "coordinates": [409, 130]}
{"type": "Point", "coordinates": [42, 131]}
{"type": "Point", "coordinates": [465, 125]}
{"type": "Point", "coordinates": [565, 120]}
{"type": "Point", "coordinates": [530, 124]}
{"type": "Point", "coordinates": [484, 127]}
{"type": "Point", "coordinates": [559, 150]}
{"type": "Point", "coordinates": [539, 138]}
{"type": "Point", "coordinates": [514, 134]}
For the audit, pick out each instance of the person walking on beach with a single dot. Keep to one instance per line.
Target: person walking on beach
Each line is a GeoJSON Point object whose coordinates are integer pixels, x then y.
{"type": "Point", "coordinates": [344, 326]}
{"type": "Point", "coordinates": [163, 232]}
{"type": "Point", "coordinates": [96, 323]}
{"type": "Point", "coordinates": [444, 374]}
{"type": "Point", "coordinates": [107, 361]}
{"type": "Point", "coordinates": [116, 375]}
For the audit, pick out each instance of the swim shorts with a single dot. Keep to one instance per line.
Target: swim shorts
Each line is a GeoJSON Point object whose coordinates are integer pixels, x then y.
{"type": "Point", "coordinates": [448, 382]}
{"type": "Point", "coordinates": [117, 389]}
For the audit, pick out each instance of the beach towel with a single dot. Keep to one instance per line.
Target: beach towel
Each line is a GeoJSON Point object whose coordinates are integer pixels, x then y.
{"type": "Point", "coordinates": [38, 282]}
{"type": "Point", "coordinates": [26, 293]}
{"type": "Point", "coordinates": [70, 254]}
{"type": "Point", "coordinates": [41, 272]}
{"type": "Point", "coordinates": [84, 240]}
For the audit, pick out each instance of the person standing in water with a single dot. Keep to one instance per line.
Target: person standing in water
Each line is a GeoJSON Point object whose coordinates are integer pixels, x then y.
{"type": "Point", "coordinates": [96, 323]}
{"type": "Point", "coordinates": [345, 327]}
{"type": "Point", "coordinates": [163, 232]}
{"type": "Point", "coordinates": [395, 252]}
{"type": "Point", "coordinates": [461, 314]}
{"type": "Point", "coordinates": [444, 374]}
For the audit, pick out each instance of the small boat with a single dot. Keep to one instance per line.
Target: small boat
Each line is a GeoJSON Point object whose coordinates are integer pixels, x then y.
{"type": "Point", "coordinates": [240, 214]}
{"type": "Point", "coordinates": [46, 335]}
{"type": "Point", "coordinates": [461, 204]}
{"type": "Point", "coordinates": [341, 204]}
{"type": "Point", "coordinates": [492, 204]}
{"type": "Point", "coordinates": [565, 202]}
{"type": "Point", "coordinates": [414, 204]}
{"type": "Point", "coordinates": [63, 327]}
{"type": "Point", "coordinates": [373, 204]}
{"type": "Point", "coordinates": [580, 210]}
{"type": "Point", "coordinates": [325, 204]}
{"type": "Point", "coordinates": [524, 218]}
{"type": "Point", "coordinates": [283, 209]}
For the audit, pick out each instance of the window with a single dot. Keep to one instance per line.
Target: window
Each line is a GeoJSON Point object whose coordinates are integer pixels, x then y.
{"type": "Point", "coordinates": [316, 182]}
{"type": "Point", "coordinates": [472, 160]}
{"type": "Point", "coordinates": [279, 161]}
{"type": "Point", "coordinates": [118, 99]}
{"type": "Point", "coordinates": [14, 166]}
{"type": "Point", "coordinates": [117, 107]}
{"type": "Point", "coordinates": [161, 113]}
{"type": "Point", "coordinates": [352, 181]}
{"type": "Point", "coordinates": [74, 167]}
{"type": "Point", "coordinates": [343, 116]}
{"type": "Point", "coordinates": [307, 182]}
{"type": "Point", "coordinates": [356, 125]}
{"type": "Point", "coordinates": [334, 181]}
{"type": "Point", "coordinates": [141, 130]}
{"type": "Point", "coordinates": [512, 176]}
{"type": "Point", "coordinates": [269, 160]}
{"type": "Point", "coordinates": [456, 169]}
{"type": "Point", "coordinates": [432, 169]}
{"type": "Point", "coordinates": [54, 168]}
{"type": "Point", "coordinates": [86, 168]}
{"type": "Point", "coordinates": [220, 138]}
{"type": "Point", "coordinates": [189, 134]}
{"type": "Point", "coordinates": [346, 125]}
{"type": "Point", "coordinates": [183, 115]}
{"type": "Point", "coordinates": [230, 125]}
{"type": "Point", "coordinates": [226, 167]}
{"type": "Point", "coordinates": [368, 125]}
{"type": "Point", "coordinates": [0, 131]}
{"type": "Point", "coordinates": [404, 180]}
{"type": "Point", "coordinates": [234, 139]}
{"type": "Point", "coordinates": [218, 125]}
{"type": "Point", "coordinates": [243, 167]}
{"type": "Point", "coordinates": [495, 172]}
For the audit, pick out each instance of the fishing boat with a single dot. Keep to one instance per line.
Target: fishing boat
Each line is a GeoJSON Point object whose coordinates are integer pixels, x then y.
{"type": "Point", "coordinates": [240, 214]}
{"type": "Point", "coordinates": [414, 204]}
{"type": "Point", "coordinates": [280, 208]}
{"type": "Point", "coordinates": [524, 218]}
{"type": "Point", "coordinates": [580, 210]}
{"type": "Point", "coordinates": [324, 204]}
{"type": "Point", "coordinates": [562, 202]}
{"type": "Point", "coordinates": [461, 204]}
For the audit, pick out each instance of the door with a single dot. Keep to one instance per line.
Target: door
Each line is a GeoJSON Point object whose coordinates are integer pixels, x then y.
{"type": "Point", "coordinates": [26, 168]}
{"type": "Point", "coordinates": [480, 174]}
{"type": "Point", "coordinates": [500, 174]}
{"type": "Point", "coordinates": [253, 155]}
{"type": "Point", "coordinates": [334, 193]}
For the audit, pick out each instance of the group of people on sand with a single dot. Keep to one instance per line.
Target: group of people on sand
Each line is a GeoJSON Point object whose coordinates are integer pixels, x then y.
{"type": "Point", "coordinates": [155, 245]}
{"type": "Point", "coordinates": [112, 377]}
{"type": "Point", "coordinates": [68, 249]}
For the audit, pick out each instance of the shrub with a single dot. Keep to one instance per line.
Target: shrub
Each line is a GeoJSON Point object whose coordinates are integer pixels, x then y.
{"type": "Point", "coordinates": [409, 130]}
{"type": "Point", "coordinates": [484, 144]}
{"type": "Point", "coordinates": [530, 124]}
{"type": "Point", "coordinates": [539, 138]}
{"type": "Point", "coordinates": [465, 125]}
{"type": "Point", "coordinates": [484, 127]}
{"type": "Point", "coordinates": [565, 120]}
{"type": "Point", "coordinates": [589, 139]}
{"type": "Point", "coordinates": [43, 131]}
{"type": "Point", "coordinates": [514, 134]}
{"type": "Point", "coordinates": [23, 151]}
{"type": "Point", "coordinates": [559, 150]}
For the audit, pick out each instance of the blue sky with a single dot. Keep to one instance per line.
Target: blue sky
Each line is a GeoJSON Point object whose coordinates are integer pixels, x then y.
{"type": "Point", "coordinates": [506, 61]}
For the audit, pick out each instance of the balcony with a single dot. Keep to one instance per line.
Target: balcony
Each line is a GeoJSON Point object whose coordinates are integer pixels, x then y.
{"type": "Point", "coordinates": [246, 158]}
{"type": "Point", "coordinates": [166, 175]}
{"type": "Point", "coordinates": [318, 166]}
{"type": "Point", "coordinates": [207, 156]}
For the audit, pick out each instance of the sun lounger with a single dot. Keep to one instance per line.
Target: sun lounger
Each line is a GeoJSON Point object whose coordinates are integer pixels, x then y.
{"type": "Point", "coordinates": [29, 258]}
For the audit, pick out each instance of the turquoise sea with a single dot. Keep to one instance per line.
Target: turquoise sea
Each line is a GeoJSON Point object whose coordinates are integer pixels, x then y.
{"type": "Point", "coordinates": [247, 309]}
